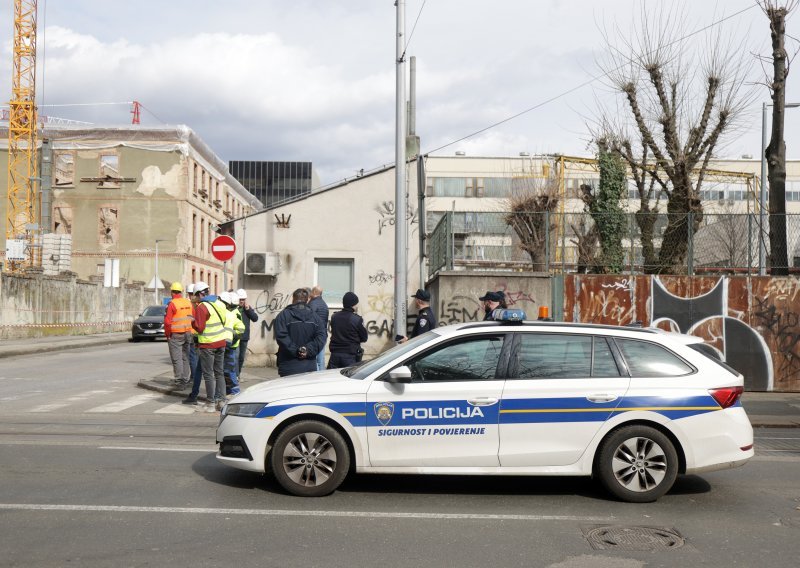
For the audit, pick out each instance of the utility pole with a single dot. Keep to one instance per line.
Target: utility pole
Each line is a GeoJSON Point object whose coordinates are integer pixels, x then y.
{"type": "Point", "coordinates": [400, 201]}
{"type": "Point", "coordinates": [156, 279]}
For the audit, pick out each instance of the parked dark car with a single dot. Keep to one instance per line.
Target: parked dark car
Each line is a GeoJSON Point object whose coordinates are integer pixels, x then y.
{"type": "Point", "coordinates": [149, 324]}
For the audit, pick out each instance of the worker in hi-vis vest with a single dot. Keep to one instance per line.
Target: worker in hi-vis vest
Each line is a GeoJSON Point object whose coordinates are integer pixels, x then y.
{"type": "Point", "coordinates": [178, 331]}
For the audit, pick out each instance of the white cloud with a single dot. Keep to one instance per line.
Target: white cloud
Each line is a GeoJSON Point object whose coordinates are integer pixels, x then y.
{"type": "Point", "coordinates": [306, 80]}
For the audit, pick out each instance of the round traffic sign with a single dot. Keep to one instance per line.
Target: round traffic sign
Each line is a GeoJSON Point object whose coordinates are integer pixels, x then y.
{"type": "Point", "coordinates": [223, 248]}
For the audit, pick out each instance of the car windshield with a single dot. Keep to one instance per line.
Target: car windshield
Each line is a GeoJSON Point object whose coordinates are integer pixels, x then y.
{"type": "Point", "coordinates": [154, 311]}
{"type": "Point", "coordinates": [364, 370]}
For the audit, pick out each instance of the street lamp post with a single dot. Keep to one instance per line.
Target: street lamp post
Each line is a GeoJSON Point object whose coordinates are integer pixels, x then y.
{"type": "Point", "coordinates": [762, 195]}
{"type": "Point", "coordinates": [156, 279]}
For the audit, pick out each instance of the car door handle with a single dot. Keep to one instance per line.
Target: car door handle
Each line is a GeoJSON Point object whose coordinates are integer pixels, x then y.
{"type": "Point", "coordinates": [602, 397]}
{"type": "Point", "coordinates": [482, 401]}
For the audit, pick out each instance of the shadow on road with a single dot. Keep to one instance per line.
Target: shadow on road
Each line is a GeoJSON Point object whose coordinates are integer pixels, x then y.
{"type": "Point", "coordinates": [215, 472]}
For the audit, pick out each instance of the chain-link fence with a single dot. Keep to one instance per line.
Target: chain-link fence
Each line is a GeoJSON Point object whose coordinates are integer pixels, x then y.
{"type": "Point", "coordinates": [635, 243]}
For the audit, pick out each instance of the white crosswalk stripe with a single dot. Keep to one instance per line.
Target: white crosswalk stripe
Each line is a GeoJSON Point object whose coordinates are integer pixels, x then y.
{"type": "Point", "coordinates": [125, 404]}
{"type": "Point", "coordinates": [178, 408]}
{"type": "Point", "coordinates": [49, 407]}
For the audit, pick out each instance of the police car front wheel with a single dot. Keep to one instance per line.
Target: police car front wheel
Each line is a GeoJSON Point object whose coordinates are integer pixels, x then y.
{"type": "Point", "coordinates": [309, 459]}
{"type": "Point", "coordinates": [637, 464]}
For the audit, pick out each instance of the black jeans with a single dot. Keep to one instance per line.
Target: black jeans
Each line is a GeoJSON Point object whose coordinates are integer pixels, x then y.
{"type": "Point", "coordinates": [340, 360]}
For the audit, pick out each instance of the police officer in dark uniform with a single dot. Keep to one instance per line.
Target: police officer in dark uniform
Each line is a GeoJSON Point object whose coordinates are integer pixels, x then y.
{"type": "Point", "coordinates": [492, 301]}
{"type": "Point", "coordinates": [426, 321]}
{"type": "Point", "coordinates": [347, 334]}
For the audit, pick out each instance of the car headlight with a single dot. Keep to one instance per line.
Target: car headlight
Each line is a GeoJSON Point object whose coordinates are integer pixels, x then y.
{"type": "Point", "coordinates": [248, 410]}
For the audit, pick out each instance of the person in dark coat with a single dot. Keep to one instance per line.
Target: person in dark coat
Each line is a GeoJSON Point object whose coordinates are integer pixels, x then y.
{"type": "Point", "coordinates": [491, 301]}
{"type": "Point", "coordinates": [425, 321]}
{"type": "Point", "coordinates": [300, 336]}
{"type": "Point", "coordinates": [347, 334]}
{"type": "Point", "coordinates": [248, 315]}
{"type": "Point", "coordinates": [320, 308]}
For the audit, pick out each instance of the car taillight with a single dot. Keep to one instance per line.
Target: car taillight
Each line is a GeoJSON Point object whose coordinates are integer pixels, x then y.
{"type": "Point", "coordinates": [726, 397]}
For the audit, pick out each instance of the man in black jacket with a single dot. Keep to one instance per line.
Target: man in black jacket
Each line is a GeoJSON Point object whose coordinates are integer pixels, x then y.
{"type": "Point", "coordinates": [318, 305]}
{"type": "Point", "coordinates": [347, 334]}
{"type": "Point", "coordinates": [300, 336]}
{"type": "Point", "coordinates": [248, 315]}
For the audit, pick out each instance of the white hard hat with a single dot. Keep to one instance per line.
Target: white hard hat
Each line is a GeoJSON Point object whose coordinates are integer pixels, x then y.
{"type": "Point", "coordinates": [241, 293]}
{"type": "Point", "coordinates": [190, 289]}
{"type": "Point", "coordinates": [200, 286]}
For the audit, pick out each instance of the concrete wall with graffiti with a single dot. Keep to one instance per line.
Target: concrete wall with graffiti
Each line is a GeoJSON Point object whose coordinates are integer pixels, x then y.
{"type": "Point", "coordinates": [752, 321]}
{"type": "Point", "coordinates": [352, 222]}
{"type": "Point", "coordinates": [454, 294]}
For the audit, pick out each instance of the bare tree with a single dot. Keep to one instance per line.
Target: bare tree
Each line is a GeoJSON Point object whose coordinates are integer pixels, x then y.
{"type": "Point", "coordinates": [531, 208]}
{"type": "Point", "coordinates": [775, 154]}
{"type": "Point", "coordinates": [679, 99]}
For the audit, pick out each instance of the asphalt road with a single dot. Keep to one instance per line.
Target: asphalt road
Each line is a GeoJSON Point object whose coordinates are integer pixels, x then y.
{"type": "Point", "coordinates": [94, 472]}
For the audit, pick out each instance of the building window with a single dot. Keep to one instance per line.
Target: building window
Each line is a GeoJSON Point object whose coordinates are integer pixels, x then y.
{"type": "Point", "coordinates": [194, 179]}
{"type": "Point", "coordinates": [194, 231]}
{"type": "Point", "coordinates": [335, 276]}
{"type": "Point", "coordinates": [216, 283]}
{"type": "Point", "coordinates": [64, 169]}
{"type": "Point", "coordinates": [202, 235]}
{"type": "Point", "coordinates": [194, 275]}
{"type": "Point", "coordinates": [109, 171]}
{"type": "Point", "coordinates": [62, 219]}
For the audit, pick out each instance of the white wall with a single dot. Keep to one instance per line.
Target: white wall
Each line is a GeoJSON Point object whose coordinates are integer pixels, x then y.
{"type": "Point", "coordinates": [352, 221]}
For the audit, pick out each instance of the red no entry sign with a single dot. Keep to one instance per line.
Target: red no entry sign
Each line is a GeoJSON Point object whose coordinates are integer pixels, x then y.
{"type": "Point", "coordinates": [223, 248]}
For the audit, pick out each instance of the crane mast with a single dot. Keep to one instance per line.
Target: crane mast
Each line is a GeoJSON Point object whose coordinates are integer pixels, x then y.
{"type": "Point", "coordinates": [22, 211]}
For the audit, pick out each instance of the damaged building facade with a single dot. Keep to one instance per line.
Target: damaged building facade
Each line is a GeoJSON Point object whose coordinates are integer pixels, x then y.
{"type": "Point", "coordinates": [134, 193]}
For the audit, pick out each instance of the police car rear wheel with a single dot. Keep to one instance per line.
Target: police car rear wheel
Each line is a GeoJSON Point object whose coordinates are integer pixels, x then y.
{"type": "Point", "coordinates": [309, 459]}
{"type": "Point", "coordinates": [637, 464]}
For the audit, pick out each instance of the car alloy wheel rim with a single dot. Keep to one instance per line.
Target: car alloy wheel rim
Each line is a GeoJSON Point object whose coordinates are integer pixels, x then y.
{"type": "Point", "coordinates": [309, 459]}
{"type": "Point", "coordinates": [639, 464]}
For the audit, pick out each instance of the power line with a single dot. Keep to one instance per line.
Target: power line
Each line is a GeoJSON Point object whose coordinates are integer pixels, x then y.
{"type": "Point", "coordinates": [402, 57]}
{"type": "Point", "coordinates": [584, 84]}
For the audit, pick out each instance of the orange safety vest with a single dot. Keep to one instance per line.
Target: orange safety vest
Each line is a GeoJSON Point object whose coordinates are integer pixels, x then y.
{"type": "Point", "coordinates": [182, 320]}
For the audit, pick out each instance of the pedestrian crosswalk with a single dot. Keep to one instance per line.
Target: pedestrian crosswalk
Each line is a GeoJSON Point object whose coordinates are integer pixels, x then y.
{"type": "Point", "coordinates": [116, 399]}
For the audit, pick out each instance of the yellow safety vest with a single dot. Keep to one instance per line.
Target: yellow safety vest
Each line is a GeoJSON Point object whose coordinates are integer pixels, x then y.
{"type": "Point", "coordinates": [182, 319]}
{"type": "Point", "coordinates": [236, 325]}
{"type": "Point", "coordinates": [214, 330]}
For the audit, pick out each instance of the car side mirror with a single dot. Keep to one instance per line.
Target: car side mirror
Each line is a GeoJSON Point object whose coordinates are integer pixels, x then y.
{"type": "Point", "coordinates": [400, 375]}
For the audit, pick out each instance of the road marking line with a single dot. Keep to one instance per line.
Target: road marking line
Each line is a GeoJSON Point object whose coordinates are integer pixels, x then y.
{"type": "Point", "coordinates": [177, 408]}
{"type": "Point", "coordinates": [139, 448]}
{"type": "Point", "coordinates": [121, 405]}
{"type": "Point", "coordinates": [49, 407]}
{"type": "Point", "coordinates": [88, 394]}
{"type": "Point", "coordinates": [289, 513]}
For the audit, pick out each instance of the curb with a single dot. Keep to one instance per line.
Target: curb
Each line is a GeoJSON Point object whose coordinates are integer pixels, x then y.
{"type": "Point", "coordinates": [29, 350]}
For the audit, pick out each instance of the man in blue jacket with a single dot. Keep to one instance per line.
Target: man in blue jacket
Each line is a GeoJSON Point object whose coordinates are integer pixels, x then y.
{"type": "Point", "coordinates": [300, 336]}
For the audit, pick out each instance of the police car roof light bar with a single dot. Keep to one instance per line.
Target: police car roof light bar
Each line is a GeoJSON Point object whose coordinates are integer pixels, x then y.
{"type": "Point", "coordinates": [509, 315]}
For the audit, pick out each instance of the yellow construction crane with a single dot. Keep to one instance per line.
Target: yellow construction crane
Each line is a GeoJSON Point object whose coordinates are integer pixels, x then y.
{"type": "Point", "coordinates": [22, 212]}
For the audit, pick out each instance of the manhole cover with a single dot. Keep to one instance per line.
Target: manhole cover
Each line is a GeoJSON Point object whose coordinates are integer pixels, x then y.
{"type": "Point", "coordinates": [633, 538]}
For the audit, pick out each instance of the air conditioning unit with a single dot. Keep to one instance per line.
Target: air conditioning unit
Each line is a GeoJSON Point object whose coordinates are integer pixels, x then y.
{"type": "Point", "coordinates": [262, 263]}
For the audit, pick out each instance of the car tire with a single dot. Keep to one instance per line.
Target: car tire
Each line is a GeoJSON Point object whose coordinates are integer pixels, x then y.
{"type": "Point", "coordinates": [134, 340]}
{"type": "Point", "coordinates": [637, 464]}
{"type": "Point", "coordinates": [309, 459]}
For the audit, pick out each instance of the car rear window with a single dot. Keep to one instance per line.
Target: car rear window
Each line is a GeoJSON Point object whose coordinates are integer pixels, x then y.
{"type": "Point", "coordinates": [647, 359]}
{"type": "Point", "coordinates": [714, 355]}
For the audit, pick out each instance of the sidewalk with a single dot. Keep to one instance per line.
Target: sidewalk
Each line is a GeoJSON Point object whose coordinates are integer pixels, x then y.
{"type": "Point", "coordinates": [14, 347]}
{"type": "Point", "coordinates": [163, 383]}
{"type": "Point", "coordinates": [765, 409]}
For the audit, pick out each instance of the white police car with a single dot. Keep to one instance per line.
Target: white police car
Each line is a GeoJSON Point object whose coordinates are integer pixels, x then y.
{"type": "Point", "coordinates": [631, 407]}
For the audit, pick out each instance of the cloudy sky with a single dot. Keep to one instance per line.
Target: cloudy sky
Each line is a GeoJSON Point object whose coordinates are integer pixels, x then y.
{"type": "Point", "coordinates": [315, 80]}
